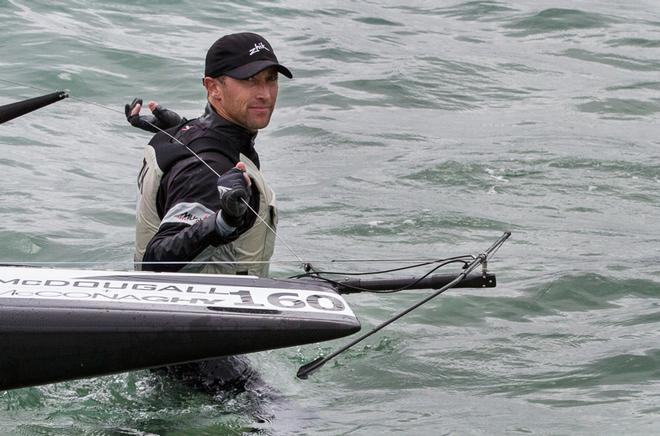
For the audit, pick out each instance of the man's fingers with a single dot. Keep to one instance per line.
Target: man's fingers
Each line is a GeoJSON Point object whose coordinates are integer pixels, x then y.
{"type": "Point", "coordinates": [152, 105]}
{"type": "Point", "coordinates": [241, 166]}
{"type": "Point", "coordinates": [136, 109]}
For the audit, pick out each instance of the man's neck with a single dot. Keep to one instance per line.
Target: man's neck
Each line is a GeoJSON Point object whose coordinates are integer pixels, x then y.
{"type": "Point", "coordinates": [219, 111]}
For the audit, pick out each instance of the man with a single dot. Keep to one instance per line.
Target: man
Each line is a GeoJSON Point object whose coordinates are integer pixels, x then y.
{"type": "Point", "coordinates": [198, 178]}
{"type": "Point", "coordinates": [185, 212]}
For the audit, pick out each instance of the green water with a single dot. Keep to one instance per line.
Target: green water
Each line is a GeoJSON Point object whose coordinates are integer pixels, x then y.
{"type": "Point", "coordinates": [411, 130]}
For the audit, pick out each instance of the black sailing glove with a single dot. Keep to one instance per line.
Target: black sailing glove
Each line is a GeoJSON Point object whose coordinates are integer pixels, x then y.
{"type": "Point", "coordinates": [161, 119]}
{"type": "Point", "coordinates": [234, 194]}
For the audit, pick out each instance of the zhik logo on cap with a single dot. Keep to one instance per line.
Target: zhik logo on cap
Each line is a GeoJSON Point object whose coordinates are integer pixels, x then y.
{"type": "Point", "coordinates": [257, 47]}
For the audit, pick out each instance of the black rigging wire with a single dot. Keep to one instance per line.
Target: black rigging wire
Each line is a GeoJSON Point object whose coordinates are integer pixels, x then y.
{"type": "Point", "coordinates": [439, 263]}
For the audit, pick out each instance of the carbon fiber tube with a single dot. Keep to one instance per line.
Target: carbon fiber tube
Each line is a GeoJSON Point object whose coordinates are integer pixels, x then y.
{"type": "Point", "coordinates": [14, 110]}
{"type": "Point", "coordinates": [436, 281]}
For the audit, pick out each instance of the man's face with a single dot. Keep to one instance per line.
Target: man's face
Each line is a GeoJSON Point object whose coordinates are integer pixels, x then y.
{"type": "Point", "coordinates": [248, 103]}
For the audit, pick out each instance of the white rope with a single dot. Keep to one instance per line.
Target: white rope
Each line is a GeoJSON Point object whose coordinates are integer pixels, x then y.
{"type": "Point", "coordinates": [274, 233]}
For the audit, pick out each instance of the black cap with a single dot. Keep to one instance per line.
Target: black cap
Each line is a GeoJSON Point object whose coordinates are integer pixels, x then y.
{"type": "Point", "coordinates": [241, 56]}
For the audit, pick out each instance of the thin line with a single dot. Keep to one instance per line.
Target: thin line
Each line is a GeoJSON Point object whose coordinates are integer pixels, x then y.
{"type": "Point", "coordinates": [274, 232]}
{"type": "Point", "coordinates": [24, 85]}
{"type": "Point", "coordinates": [98, 262]}
{"type": "Point", "coordinates": [210, 262]}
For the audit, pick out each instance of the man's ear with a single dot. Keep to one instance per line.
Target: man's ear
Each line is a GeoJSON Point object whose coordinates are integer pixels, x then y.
{"type": "Point", "coordinates": [213, 88]}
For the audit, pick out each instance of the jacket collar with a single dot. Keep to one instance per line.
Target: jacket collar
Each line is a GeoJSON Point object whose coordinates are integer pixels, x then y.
{"type": "Point", "coordinates": [244, 139]}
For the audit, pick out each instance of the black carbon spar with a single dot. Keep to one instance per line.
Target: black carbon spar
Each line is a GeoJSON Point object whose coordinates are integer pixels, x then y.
{"type": "Point", "coordinates": [15, 110]}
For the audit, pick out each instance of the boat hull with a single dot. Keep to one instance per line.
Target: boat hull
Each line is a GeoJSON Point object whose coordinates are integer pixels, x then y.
{"type": "Point", "coordinates": [63, 324]}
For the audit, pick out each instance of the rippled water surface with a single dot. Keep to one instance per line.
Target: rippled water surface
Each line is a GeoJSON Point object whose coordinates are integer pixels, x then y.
{"type": "Point", "coordinates": [411, 130]}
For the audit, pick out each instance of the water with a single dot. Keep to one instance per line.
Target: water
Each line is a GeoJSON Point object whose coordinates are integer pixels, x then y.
{"type": "Point", "coordinates": [411, 129]}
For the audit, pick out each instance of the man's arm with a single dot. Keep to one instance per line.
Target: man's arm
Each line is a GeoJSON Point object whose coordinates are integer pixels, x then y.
{"type": "Point", "coordinates": [181, 243]}
{"type": "Point", "coordinates": [190, 206]}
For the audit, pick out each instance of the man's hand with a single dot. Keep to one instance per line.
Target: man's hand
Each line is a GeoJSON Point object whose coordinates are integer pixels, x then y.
{"type": "Point", "coordinates": [160, 120]}
{"type": "Point", "coordinates": [234, 190]}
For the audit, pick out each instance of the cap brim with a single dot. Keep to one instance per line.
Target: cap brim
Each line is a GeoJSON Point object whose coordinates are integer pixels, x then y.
{"type": "Point", "coordinates": [248, 70]}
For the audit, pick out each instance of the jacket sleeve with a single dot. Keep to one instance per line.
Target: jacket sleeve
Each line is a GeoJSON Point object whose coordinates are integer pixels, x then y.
{"type": "Point", "coordinates": [178, 242]}
{"type": "Point", "coordinates": [188, 203]}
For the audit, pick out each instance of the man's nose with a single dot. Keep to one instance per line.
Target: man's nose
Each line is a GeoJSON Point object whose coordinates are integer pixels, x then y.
{"type": "Point", "coordinates": [265, 91]}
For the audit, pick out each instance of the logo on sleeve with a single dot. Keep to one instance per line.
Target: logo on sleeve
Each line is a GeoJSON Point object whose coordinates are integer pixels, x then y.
{"type": "Point", "coordinates": [187, 213]}
{"type": "Point", "coordinates": [188, 217]}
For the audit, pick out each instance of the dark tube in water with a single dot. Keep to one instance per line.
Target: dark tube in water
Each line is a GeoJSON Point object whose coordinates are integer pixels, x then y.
{"type": "Point", "coordinates": [14, 110]}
